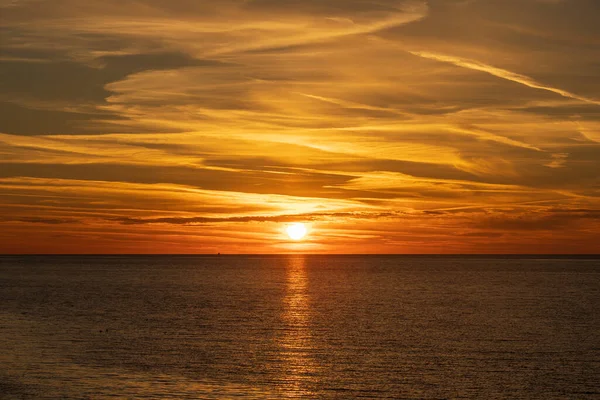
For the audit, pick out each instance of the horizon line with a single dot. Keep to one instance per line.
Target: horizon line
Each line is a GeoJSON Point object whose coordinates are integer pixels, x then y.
{"type": "Point", "coordinates": [557, 255]}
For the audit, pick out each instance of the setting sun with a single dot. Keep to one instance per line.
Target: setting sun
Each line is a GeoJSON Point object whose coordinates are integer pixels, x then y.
{"type": "Point", "coordinates": [296, 231]}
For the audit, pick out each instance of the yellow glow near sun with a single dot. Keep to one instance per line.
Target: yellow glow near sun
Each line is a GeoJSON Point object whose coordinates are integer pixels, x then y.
{"type": "Point", "coordinates": [296, 231]}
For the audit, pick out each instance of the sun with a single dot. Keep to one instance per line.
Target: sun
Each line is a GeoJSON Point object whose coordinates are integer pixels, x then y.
{"type": "Point", "coordinates": [296, 231]}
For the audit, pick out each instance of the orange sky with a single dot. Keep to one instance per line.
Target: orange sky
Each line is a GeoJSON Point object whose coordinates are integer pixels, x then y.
{"type": "Point", "coordinates": [388, 126]}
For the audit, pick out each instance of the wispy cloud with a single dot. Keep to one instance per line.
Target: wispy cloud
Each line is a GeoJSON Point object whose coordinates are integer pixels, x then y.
{"type": "Point", "coordinates": [501, 73]}
{"type": "Point", "coordinates": [259, 218]}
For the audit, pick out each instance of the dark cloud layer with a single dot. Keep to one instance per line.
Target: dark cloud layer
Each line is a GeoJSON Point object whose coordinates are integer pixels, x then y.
{"type": "Point", "coordinates": [257, 218]}
{"type": "Point", "coordinates": [36, 86]}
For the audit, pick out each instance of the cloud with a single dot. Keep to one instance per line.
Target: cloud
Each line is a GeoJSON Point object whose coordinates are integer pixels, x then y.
{"type": "Point", "coordinates": [501, 73]}
{"type": "Point", "coordinates": [63, 96]}
{"type": "Point", "coordinates": [258, 218]}
{"type": "Point", "coordinates": [37, 220]}
{"type": "Point", "coordinates": [550, 221]}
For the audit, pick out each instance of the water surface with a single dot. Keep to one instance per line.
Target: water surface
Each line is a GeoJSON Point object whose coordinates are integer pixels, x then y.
{"type": "Point", "coordinates": [299, 326]}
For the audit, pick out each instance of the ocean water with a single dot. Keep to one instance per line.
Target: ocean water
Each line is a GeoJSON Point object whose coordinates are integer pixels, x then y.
{"type": "Point", "coordinates": [202, 327]}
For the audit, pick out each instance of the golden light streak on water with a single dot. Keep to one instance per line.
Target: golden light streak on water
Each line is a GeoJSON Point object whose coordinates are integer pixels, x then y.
{"type": "Point", "coordinates": [296, 342]}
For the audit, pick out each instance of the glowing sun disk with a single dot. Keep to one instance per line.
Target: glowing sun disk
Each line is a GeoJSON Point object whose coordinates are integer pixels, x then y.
{"type": "Point", "coordinates": [296, 231]}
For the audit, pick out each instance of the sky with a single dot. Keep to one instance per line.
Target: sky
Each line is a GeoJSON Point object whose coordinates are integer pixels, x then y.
{"type": "Point", "coordinates": [386, 126]}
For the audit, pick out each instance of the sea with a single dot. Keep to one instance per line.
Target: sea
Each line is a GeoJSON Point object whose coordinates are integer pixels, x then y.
{"type": "Point", "coordinates": [299, 326]}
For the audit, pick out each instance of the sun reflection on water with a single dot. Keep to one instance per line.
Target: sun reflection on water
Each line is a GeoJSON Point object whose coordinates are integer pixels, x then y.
{"type": "Point", "coordinates": [296, 342]}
